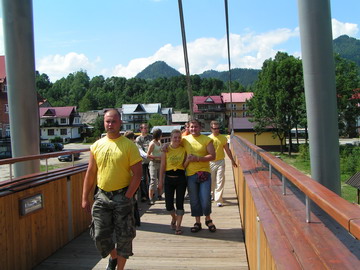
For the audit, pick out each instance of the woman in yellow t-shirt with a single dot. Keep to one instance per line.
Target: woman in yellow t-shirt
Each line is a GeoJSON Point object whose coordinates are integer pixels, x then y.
{"type": "Point", "coordinates": [172, 168]}
{"type": "Point", "coordinates": [200, 151]}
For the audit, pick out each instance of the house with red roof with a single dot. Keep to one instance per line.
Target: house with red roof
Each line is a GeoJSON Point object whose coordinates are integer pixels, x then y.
{"type": "Point", "coordinates": [4, 105]}
{"type": "Point", "coordinates": [208, 108]}
{"type": "Point", "coordinates": [236, 103]}
{"type": "Point", "coordinates": [4, 108]}
{"type": "Point", "coordinates": [63, 122]}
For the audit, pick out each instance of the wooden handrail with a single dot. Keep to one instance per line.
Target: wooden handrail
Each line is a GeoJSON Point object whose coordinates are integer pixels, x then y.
{"type": "Point", "coordinates": [40, 156]}
{"type": "Point", "coordinates": [342, 211]}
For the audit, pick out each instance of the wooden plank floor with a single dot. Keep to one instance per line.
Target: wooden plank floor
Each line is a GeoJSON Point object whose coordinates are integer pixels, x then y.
{"type": "Point", "coordinates": [157, 247]}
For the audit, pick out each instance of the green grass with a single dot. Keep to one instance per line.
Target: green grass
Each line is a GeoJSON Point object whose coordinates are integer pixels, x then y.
{"type": "Point", "coordinates": [349, 193]}
{"type": "Point", "coordinates": [51, 167]}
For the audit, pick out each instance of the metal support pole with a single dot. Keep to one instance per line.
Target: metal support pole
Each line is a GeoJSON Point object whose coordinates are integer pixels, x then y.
{"type": "Point", "coordinates": [320, 92]}
{"type": "Point", "coordinates": [20, 76]}
{"type": "Point", "coordinates": [283, 184]}
{"type": "Point", "coordinates": [270, 171]}
{"type": "Point", "coordinates": [308, 209]}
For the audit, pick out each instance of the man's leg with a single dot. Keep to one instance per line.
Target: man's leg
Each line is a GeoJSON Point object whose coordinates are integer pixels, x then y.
{"type": "Point", "coordinates": [143, 183]}
{"type": "Point", "coordinates": [220, 183]}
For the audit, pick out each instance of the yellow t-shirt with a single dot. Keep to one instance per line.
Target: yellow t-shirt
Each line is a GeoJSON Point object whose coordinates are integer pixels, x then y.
{"type": "Point", "coordinates": [175, 158]}
{"type": "Point", "coordinates": [219, 142]}
{"type": "Point", "coordinates": [114, 159]}
{"type": "Point", "coordinates": [197, 146]}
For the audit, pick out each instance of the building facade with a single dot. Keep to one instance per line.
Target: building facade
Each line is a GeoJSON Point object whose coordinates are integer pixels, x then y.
{"type": "Point", "coordinates": [207, 109]}
{"type": "Point", "coordinates": [63, 122]}
{"type": "Point", "coordinates": [133, 115]}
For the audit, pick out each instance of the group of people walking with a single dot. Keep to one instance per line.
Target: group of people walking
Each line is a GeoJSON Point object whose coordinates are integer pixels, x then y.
{"type": "Point", "coordinates": [192, 163]}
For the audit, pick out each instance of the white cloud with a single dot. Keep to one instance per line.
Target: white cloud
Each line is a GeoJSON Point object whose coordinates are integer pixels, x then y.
{"type": "Point", "coordinates": [340, 28]}
{"type": "Point", "coordinates": [248, 51]}
{"type": "Point", "coordinates": [2, 49]}
{"type": "Point", "coordinates": [58, 66]}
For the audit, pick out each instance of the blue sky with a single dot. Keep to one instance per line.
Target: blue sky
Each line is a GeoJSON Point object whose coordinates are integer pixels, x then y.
{"type": "Point", "coordinates": [122, 37]}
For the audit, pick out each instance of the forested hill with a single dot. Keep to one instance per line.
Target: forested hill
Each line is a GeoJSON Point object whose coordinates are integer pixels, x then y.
{"type": "Point", "coordinates": [156, 70]}
{"type": "Point", "coordinates": [348, 47]}
{"type": "Point", "coordinates": [159, 69]}
{"type": "Point", "coordinates": [244, 76]}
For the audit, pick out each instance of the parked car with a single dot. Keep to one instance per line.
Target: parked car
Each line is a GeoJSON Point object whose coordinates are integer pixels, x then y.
{"type": "Point", "coordinates": [69, 157]}
{"type": "Point", "coordinates": [47, 147]}
{"type": "Point", "coordinates": [58, 146]}
{"type": "Point", "coordinates": [5, 154]}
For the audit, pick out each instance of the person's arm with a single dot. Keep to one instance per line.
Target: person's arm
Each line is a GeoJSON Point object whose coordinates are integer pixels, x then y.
{"type": "Point", "coordinates": [229, 154]}
{"type": "Point", "coordinates": [89, 181]}
{"type": "Point", "coordinates": [162, 170]}
{"type": "Point", "coordinates": [209, 157]}
{"type": "Point", "coordinates": [150, 150]}
{"type": "Point", "coordinates": [186, 161]}
{"type": "Point", "coordinates": [136, 170]}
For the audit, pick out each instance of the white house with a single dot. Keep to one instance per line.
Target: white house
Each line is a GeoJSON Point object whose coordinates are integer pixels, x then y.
{"type": "Point", "coordinates": [63, 122]}
{"type": "Point", "coordinates": [133, 115]}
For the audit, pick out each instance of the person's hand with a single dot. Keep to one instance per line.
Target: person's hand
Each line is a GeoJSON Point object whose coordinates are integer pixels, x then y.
{"type": "Point", "coordinates": [160, 187]}
{"type": "Point", "coordinates": [192, 158]}
{"type": "Point", "coordinates": [85, 204]}
{"type": "Point", "coordinates": [165, 147]}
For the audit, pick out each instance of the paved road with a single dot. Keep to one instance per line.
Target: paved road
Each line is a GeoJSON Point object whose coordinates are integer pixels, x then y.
{"type": "Point", "coordinates": [84, 157]}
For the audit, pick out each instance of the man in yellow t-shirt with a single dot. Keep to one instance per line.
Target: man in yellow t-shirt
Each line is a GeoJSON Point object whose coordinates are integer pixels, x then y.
{"type": "Point", "coordinates": [217, 166]}
{"type": "Point", "coordinates": [115, 163]}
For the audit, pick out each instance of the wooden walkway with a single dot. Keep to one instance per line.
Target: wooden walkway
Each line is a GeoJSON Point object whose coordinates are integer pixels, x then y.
{"type": "Point", "coordinates": [157, 247]}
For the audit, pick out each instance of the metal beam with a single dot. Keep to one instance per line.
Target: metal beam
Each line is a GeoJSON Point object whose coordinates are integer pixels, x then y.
{"type": "Point", "coordinates": [20, 76]}
{"type": "Point", "coordinates": [320, 91]}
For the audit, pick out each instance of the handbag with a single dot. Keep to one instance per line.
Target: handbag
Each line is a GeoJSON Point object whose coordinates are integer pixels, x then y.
{"type": "Point", "coordinates": [202, 176]}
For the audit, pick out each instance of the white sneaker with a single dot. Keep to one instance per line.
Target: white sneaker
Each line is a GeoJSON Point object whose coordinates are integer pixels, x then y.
{"type": "Point", "coordinates": [219, 204]}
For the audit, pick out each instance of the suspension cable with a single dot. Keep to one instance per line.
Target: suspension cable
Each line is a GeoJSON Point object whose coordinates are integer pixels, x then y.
{"type": "Point", "coordinates": [229, 62]}
{"type": "Point", "coordinates": [189, 89]}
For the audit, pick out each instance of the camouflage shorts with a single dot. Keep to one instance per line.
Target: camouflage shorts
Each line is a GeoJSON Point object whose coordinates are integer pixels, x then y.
{"type": "Point", "coordinates": [113, 218]}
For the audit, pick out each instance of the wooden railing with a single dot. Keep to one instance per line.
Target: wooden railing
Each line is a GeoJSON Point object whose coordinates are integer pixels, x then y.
{"type": "Point", "coordinates": [11, 161]}
{"type": "Point", "coordinates": [28, 237]}
{"type": "Point", "coordinates": [282, 230]}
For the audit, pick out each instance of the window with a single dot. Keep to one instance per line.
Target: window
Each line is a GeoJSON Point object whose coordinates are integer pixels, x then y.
{"type": "Point", "coordinates": [63, 120]}
{"type": "Point", "coordinates": [63, 131]}
{"type": "Point", "coordinates": [4, 88]}
{"type": "Point", "coordinates": [7, 131]}
{"type": "Point", "coordinates": [244, 107]}
{"type": "Point", "coordinates": [233, 106]}
{"type": "Point", "coordinates": [6, 108]}
{"type": "Point", "coordinates": [76, 120]}
{"type": "Point", "coordinates": [50, 132]}
{"type": "Point", "coordinates": [128, 127]}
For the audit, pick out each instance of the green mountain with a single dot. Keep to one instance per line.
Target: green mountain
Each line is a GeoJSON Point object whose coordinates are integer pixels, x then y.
{"type": "Point", "coordinates": [159, 69]}
{"type": "Point", "coordinates": [348, 48]}
{"type": "Point", "coordinates": [244, 76]}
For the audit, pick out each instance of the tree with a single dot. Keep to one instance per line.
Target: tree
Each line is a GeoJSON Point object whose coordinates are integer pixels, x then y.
{"type": "Point", "coordinates": [347, 81]}
{"type": "Point", "coordinates": [278, 96]}
{"type": "Point", "coordinates": [157, 120]}
{"type": "Point", "coordinates": [42, 83]}
{"type": "Point", "coordinates": [98, 127]}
